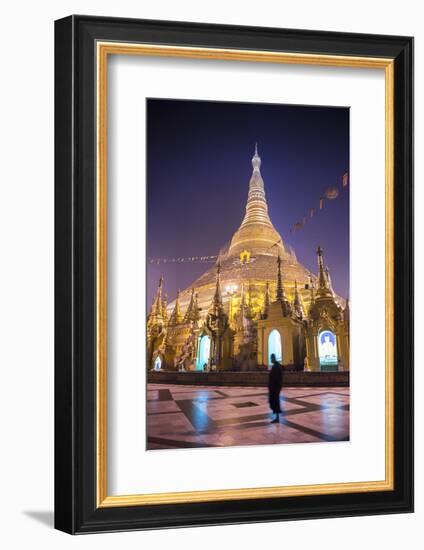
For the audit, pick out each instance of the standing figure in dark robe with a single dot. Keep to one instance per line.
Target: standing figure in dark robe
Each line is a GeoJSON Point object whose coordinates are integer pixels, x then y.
{"type": "Point", "coordinates": [274, 387]}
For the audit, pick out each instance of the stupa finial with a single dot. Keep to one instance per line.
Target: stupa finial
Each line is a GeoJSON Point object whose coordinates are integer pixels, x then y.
{"type": "Point", "coordinates": [157, 303]}
{"type": "Point", "coordinates": [156, 315]}
{"type": "Point", "coordinates": [256, 231]}
{"type": "Point", "coordinates": [322, 279]}
{"type": "Point", "coordinates": [256, 159]}
{"type": "Point", "coordinates": [176, 317]}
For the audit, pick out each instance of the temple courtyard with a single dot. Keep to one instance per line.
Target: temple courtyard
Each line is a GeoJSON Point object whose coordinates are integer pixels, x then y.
{"type": "Point", "coordinates": [182, 416]}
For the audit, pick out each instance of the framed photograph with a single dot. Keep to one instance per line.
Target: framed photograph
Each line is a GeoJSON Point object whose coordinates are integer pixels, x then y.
{"type": "Point", "coordinates": [234, 274]}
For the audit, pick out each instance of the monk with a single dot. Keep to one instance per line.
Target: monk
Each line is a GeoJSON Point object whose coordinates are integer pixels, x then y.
{"type": "Point", "coordinates": [274, 388]}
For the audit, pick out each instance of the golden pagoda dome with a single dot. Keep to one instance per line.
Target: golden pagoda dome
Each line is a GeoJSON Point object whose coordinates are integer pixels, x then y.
{"type": "Point", "coordinates": [250, 260]}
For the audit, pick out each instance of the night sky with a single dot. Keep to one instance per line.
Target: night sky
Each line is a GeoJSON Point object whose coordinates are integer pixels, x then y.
{"type": "Point", "coordinates": [198, 170]}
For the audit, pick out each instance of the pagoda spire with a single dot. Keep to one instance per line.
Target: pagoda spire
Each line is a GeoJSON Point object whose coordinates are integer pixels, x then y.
{"type": "Point", "coordinates": [324, 286]}
{"type": "Point", "coordinates": [156, 311]}
{"type": "Point", "coordinates": [196, 309]}
{"type": "Point", "coordinates": [176, 317]}
{"type": "Point", "coordinates": [256, 230]}
{"type": "Point", "coordinates": [245, 308]}
{"type": "Point", "coordinates": [256, 207]}
{"type": "Point", "coordinates": [280, 288]}
{"type": "Point", "coordinates": [192, 311]}
{"type": "Point", "coordinates": [217, 299]}
{"type": "Point", "coordinates": [298, 306]}
{"type": "Point", "coordinates": [328, 277]}
{"type": "Point", "coordinates": [312, 289]}
{"type": "Point", "coordinates": [281, 295]}
{"type": "Point", "coordinates": [256, 160]}
{"type": "Point", "coordinates": [322, 281]}
{"type": "Point", "coordinates": [164, 308]}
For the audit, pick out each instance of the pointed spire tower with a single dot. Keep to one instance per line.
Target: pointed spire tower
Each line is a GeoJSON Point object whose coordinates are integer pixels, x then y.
{"type": "Point", "coordinates": [281, 295]}
{"type": "Point", "coordinates": [324, 285]}
{"type": "Point", "coordinates": [176, 317]}
{"type": "Point", "coordinates": [156, 312]}
{"type": "Point", "coordinates": [245, 305]}
{"type": "Point", "coordinates": [328, 276]}
{"type": "Point", "coordinates": [297, 303]}
{"type": "Point", "coordinates": [164, 308]}
{"type": "Point", "coordinates": [256, 233]}
{"type": "Point", "coordinates": [311, 290]}
{"type": "Point", "coordinates": [217, 299]}
{"type": "Point", "coordinates": [196, 308]}
{"type": "Point", "coordinates": [267, 301]}
{"type": "Point", "coordinates": [192, 313]}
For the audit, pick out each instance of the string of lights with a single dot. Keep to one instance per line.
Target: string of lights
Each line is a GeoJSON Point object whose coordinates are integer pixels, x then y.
{"type": "Point", "coordinates": [191, 259]}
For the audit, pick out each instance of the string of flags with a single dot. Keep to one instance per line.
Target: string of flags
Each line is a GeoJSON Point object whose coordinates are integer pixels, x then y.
{"type": "Point", "coordinates": [330, 194]}
{"type": "Point", "coordinates": [182, 260]}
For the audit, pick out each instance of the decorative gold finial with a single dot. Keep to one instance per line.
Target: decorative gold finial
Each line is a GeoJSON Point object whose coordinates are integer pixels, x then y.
{"type": "Point", "coordinates": [176, 317]}
{"type": "Point", "coordinates": [256, 231]}
{"type": "Point", "coordinates": [256, 160]}
{"type": "Point", "coordinates": [157, 302]}
{"type": "Point", "coordinates": [322, 279]}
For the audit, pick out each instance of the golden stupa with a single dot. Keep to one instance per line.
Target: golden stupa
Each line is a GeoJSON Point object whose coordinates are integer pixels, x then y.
{"type": "Point", "coordinates": [249, 262]}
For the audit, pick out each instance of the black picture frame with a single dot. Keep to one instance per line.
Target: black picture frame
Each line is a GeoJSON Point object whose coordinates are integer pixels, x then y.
{"type": "Point", "coordinates": [76, 508]}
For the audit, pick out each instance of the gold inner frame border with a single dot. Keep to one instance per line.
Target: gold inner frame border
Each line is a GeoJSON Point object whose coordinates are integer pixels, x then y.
{"type": "Point", "coordinates": [103, 50]}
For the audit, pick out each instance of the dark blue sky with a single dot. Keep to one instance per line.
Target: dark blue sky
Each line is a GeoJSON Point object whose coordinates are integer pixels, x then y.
{"type": "Point", "coordinates": [198, 170]}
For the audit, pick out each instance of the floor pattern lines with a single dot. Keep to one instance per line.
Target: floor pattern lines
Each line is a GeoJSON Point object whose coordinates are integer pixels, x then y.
{"type": "Point", "coordinates": [207, 416]}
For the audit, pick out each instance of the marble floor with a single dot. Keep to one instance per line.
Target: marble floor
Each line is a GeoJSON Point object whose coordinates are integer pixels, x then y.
{"type": "Point", "coordinates": [218, 416]}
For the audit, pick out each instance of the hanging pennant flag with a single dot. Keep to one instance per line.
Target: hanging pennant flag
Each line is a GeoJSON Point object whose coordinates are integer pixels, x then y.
{"type": "Point", "coordinates": [298, 225]}
{"type": "Point", "coordinates": [332, 193]}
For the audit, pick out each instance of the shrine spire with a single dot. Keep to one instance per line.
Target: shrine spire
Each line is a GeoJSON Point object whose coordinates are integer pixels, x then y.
{"type": "Point", "coordinates": [256, 232]}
